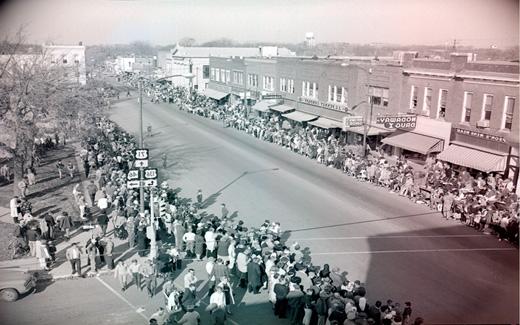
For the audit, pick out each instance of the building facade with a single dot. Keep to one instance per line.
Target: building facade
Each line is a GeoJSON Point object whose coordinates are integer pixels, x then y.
{"type": "Point", "coordinates": [70, 59]}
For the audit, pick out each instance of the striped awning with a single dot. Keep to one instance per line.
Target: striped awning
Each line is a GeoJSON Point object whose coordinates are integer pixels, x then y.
{"type": "Point", "coordinates": [281, 108]}
{"type": "Point", "coordinates": [300, 116]}
{"type": "Point", "coordinates": [326, 123]}
{"type": "Point", "coordinates": [415, 142]}
{"type": "Point", "coordinates": [474, 158]}
{"type": "Point", "coordinates": [215, 94]}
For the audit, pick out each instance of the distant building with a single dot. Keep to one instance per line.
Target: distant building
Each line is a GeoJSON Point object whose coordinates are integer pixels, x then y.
{"type": "Point", "coordinates": [310, 41]}
{"type": "Point", "coordinates": [189, 66]}
{"type": "Point", "coordinates": [124, 64]}
{"type": "Point", "coordinates": [71, 58]}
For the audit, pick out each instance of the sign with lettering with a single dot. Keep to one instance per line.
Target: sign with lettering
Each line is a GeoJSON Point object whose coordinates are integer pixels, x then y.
{"type": "Point", "coordinates": [350, 121]}
{"type": "Point", "coordinates": [481, 135]}
{"type": "Point", "coordinates": [132, 174]}
{"type": "Point", "coordinates": [133, 184]}
{"type": "Point", "coordinates": [398, 121]}
{"type": "Point", "coordinates": [150, 173]}
{"type": "Point", "coordinates": [342, 107]}
{"type": "Point", "coordinates": [150, 182]}
{"type": "Point", "coordinates": [141, 153]}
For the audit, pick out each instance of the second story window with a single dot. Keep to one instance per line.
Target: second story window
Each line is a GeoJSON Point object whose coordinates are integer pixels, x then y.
{"type": "Point", "coordinates": [427, 102]}
{"type": "Point", "coordinates": [508, 113]}
{"type": "Point", "coordinates": [378, 96]}
{"type": "Point", "coordinates": [217, 75]}
{"type": "Point", "coordinates": [443, 99]}
{"type": "Point", "coordinates": [337, 94]}
{"type": "Point", "coordinates": [205, 71]}
{"type": "Point", "coordinates": [488, 107]}
{"type": "Point", "coordinates": [309, 89]}
{"type": "Point", "coordinates": [268, 83]}
{"type": "Point", "coordinates": [466, 109]}
{"type": "Point", "coordinates": [212, 75]}
{"type": "Point", "coordinates": [413, 99]}
{"type": "Point", "coordinates": [252, 80]}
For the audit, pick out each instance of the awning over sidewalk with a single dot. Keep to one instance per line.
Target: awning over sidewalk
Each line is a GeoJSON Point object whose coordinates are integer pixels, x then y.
{"type": "Point", "coordinates": [326, 123]}
{"type": "Point", "coordinates": [372, 130]}
{"type": "Point", "coordinates": [473, 158]}
{"type": "Point", "coordinates": [300, 116]}
{"type": "Point", "coordinates": [215, 94]}
{"type": "Point", "coordinates": [262, 106]}
{"type": "Point", "coordinates": [415, 142]}
{"type": "Point", "coordinates": [281, 108]}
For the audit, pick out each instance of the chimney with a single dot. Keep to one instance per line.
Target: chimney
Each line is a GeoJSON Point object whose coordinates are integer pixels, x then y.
{"type": "Point", "coordinates": [458, 61]}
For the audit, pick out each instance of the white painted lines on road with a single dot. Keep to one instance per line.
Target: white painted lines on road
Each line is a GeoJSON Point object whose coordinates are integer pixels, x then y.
{"type": "Point", "coordinates": [384, 237]}
{"type": "Point", "coordinates": [442, 250]}
{"type": "Point", "coordinates": [139, 310]}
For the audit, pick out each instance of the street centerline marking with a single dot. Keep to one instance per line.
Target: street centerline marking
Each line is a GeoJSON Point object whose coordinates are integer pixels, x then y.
{"type": "Point", "coordinates": [419, 251]}
{"type": "Point", "coordinates": [138, 311]}
{"type": "Point", "coordinates": [386, 237]}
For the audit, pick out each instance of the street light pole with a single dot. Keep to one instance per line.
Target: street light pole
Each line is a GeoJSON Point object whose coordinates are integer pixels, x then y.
{"type": "Point", "coordinates": [367, 127]}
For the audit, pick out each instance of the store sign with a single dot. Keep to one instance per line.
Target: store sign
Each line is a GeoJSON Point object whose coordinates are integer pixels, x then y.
{"type": "Point", "coordinates": [334, 106]}
{"type": "Point", "coordinates": [351, 121]}
{"type": "Point", "coordinates": [398, 121]}
{"type": "Point", "coordinates": [271, 96]}
{"type": "Point", "coordinates": [481, 135]}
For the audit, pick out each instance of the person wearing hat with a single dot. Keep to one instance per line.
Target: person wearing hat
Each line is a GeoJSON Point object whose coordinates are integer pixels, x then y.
{"type": "Point", "coordinates": [42, 253]}
{"type": "Point", "coordinates": [254, 275]}
{"type": "Point", "coordinates": [281, 290]}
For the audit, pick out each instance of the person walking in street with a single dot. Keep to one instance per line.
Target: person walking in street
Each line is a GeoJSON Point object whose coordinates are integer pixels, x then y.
{"type": "Point", "coordinates": [32, 237]}
{"type": "Point", "coordinates": [42, 253]}
{"type": "Point", "coordinates": [189, 239]}
{"type": "Point", "coordinates": [31, 177]}
{"type": "Point", "coordinates": [92, 189]}
{"type": "Point", "coordinates": [93, 255]}
{"type": "Point", "coordinates": [148, 274]}
{"type": "Point", "coordinates": [22, 186]}
{"type": "Point", "coordinates": [60, 166]}
{"type": "Point", "coordinates": [121, 273]}
{"type": "Point", "coordinates": [254, 276]}
{"type": "Point", "coordinates": [199, 198]}
{"type": "Point", "coordinates": [164, 159]}
{"type": "Point", "coordinates": [14, 204]}
{"type": "Point", "coordinates": [65, 223]}
{"type": "Point", "coordinates": [73, 255]}
{"type": "Point", "coordinates": [224, 211]}
{"type": "Point", "coordinates": [211, 243]}
{"type": "Point", "coordinates": [135, 269]}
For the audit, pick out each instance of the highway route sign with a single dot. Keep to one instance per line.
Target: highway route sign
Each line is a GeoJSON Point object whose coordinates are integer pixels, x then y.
{"type": "Point", "coordinates": [150, 173]}
{"type": "Point", "coordinates": [141, 163]}
{"type": "Point", "coordinates": [133, 184]}
{"type": "Point", "coordinates": [141, 153]}
{"type": "Point", "coordinates": [132, 174]}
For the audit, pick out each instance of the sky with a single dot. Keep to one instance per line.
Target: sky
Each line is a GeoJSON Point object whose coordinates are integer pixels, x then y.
{"type": "Point", "coordinates": [480, 23]}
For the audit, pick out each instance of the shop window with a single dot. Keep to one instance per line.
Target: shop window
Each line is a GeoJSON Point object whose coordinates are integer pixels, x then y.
{"type": "Point", "coordinates": [508, 112]}
{"type": "Point", "coordinates": [488, 107]}
{"type": "Point", "coordinates": [466, 110]}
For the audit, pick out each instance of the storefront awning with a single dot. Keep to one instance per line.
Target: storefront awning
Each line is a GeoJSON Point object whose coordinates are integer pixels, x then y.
{"type": "Point", "coordinates": [415, 142]}
{"type": "Point", "coordinates": [281, 108]}
{"type": "Point", "coordinates": [262, 106]}
{"type": "Point", "coordinates": [300, 116]}
{"type": "Point", "coordinates": [372, 130]}
{"type": "Point", "coordinates": [326, 123]}
{"type": "Point", "coordinates": [215, 94]}
{"type": "Point", "coordinates": [474, 158]}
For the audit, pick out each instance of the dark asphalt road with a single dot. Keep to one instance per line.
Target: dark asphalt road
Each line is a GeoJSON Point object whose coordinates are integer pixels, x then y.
{"type": "Point", "coordinates": [400, 249]}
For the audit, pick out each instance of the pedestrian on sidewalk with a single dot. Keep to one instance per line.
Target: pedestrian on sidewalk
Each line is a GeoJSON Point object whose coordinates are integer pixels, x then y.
{"type": "Point", "coordinates": [31, 177]}
{"type": "Point", "coordinates": [60, 166]}
{"type": "Point", "coordinates": [92, 189]}
{"type": "Point", "coordinates": [22, 186]}
{"type": "Point", "coordinates": [199, 198]}
{"type": "Point", "coordinates": [122, 273]}
{"type": "Point", "coordinates": [135, 269]}
{"type": "Point", "coordinates": [14, 206]}
{"type": "Point", "coordinates": [102, 220]}
{"type": "Point", "coordinates": [108, 252]}
{"type": "Point", "coordinates": [73, 255]}
{"type": "Point", "coordinates": [64, 221]}
{"type": "Point", "coordinates": [148, 273]}
{"type": "Point", "coordinates": [130, 228]}
{"type": "Point", "coordinates": [93, 255]}
{"type": "Point", "coordinates": [71, 168]}
{"type": "Point", "coordinates": [32, 236]}
{"type": "Point", "coordinates": [42, 253]}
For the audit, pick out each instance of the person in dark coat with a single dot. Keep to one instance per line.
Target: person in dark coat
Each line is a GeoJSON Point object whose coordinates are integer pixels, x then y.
{"type": "Point", "coordinates": [281, 290]}
{"type": "Point", "coordinates": [254, 276]}
{"type": "Point", "coordinates": [141, 241]}
{"type": "Point", "coordinates": [189, 296]}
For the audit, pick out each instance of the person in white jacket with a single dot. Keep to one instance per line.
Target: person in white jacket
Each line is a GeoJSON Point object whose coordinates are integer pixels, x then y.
{"type": "Point", "coordinates": [211, 242]}
{"type": "Point", "coordinates": [122, 274]}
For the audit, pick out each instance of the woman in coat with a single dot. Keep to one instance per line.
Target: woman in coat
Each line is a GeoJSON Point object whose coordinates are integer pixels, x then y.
{"type": "Point", "coordinates": [199, 244]}
{"type": "Point", "coordinates": [141, 241]}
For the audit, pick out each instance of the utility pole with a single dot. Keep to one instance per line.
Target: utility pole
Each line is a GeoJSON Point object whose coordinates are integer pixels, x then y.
{"type": "Point", "coordinates": [153, 239]}
{"type": "Point", "coordinates": [141, 145]}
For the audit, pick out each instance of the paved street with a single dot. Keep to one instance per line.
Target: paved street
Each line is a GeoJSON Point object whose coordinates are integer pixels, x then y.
{"type": "Point", "coordinates": [400, 249]}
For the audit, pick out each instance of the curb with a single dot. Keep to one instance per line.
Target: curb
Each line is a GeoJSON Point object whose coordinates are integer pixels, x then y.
{"type": "Point", "coordinates": [50, 277]}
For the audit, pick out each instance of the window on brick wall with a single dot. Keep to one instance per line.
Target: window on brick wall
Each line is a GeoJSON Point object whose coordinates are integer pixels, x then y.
{"type": "Point", "coordinates": [378, 96]}
{"type": "Point", "coordinates": [443, 100]}
{"type": "Point", "coordinates": [212, 75]}
{"type": "Point", "coordinates": [253, 80]}
{"type": "Point", "coordinates": [337, 94]}
{"type": "Point", "coordinates": [217, 74]}
{"type": "Point", "coordinates": [488, 107]}
{"type": "Point", "coordinates": [508, 112]}
{"type": "Point", "coordinates": [466, 109]}
{"type": "Point", "coordinates": [413, 98]}
{"type": "Point", "coordinates": [309, 89]}
{"type": "Point", "coordinates": [427, 101]}
{"type": "Point", "coordinates": [290, 86]}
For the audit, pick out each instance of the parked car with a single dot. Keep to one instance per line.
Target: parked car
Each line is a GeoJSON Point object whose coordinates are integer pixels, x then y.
{"type": "Point", "coordinates": [16, 282]}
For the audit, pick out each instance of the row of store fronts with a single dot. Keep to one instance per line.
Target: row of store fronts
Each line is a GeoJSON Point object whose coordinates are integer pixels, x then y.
{"type": "Point", "coordinates": [350, 96]}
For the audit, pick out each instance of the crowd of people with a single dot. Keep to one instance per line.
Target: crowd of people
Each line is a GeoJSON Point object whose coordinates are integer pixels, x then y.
{"type": "Point", "coordinates": [487, 202]}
